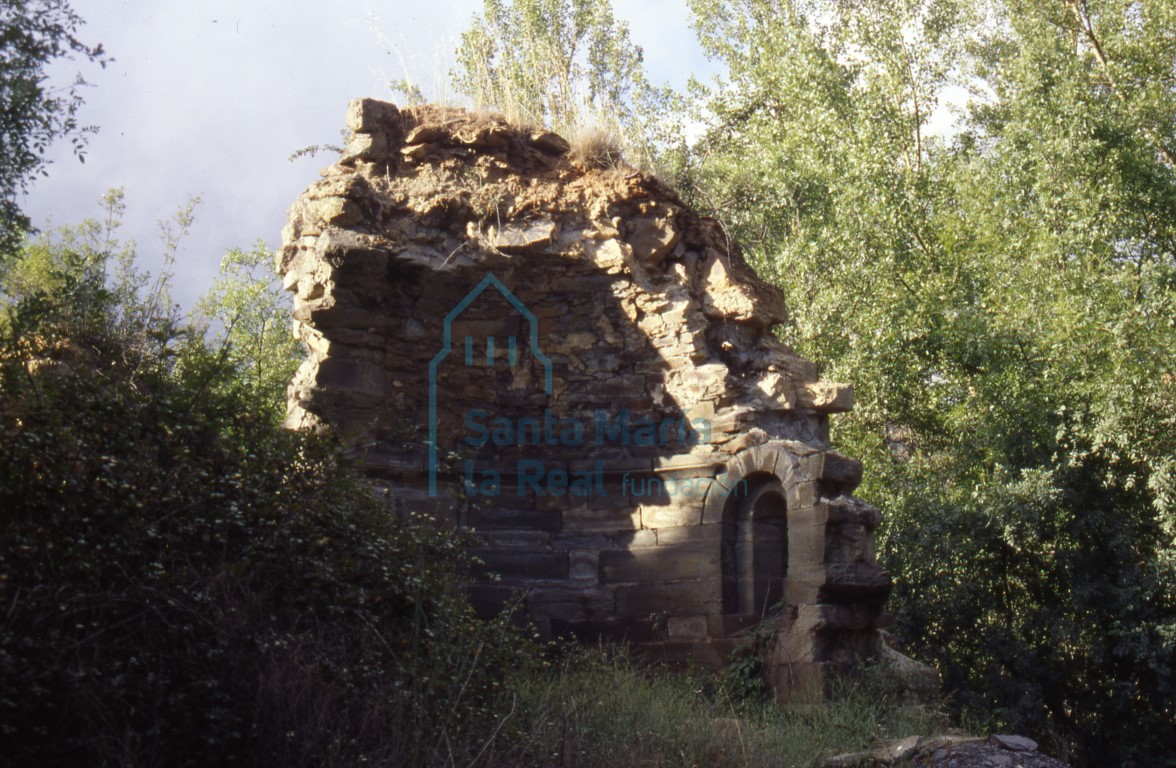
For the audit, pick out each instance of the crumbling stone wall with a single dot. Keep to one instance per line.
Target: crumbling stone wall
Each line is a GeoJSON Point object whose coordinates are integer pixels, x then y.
{"type": "Point", "coordinates": [573, 364]}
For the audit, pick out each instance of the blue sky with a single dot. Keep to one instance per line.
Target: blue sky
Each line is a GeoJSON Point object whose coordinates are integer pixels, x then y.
{"type": "Point", "coordinates": [211, 99]}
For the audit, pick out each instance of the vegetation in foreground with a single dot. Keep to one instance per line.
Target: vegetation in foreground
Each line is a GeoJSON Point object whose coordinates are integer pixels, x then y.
{"type": "Point", "coordinates": [185, 583]}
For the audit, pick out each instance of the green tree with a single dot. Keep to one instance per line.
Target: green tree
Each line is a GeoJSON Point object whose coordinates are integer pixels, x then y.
{"type": "Point", "coordinates": [245, 315]}
{"type": "Point", "coordinates": [98, 272]}
{"type": "Point", "coordinates": [33, 114]}
{"type": "Point", "coordinates": [187, 584]}
{"type": "Point", "coordinates": [556, 63]}
{"type": "Point", "coordinates": [251, 314]}
{"type": "Point", "coordinates": [1002, 299]}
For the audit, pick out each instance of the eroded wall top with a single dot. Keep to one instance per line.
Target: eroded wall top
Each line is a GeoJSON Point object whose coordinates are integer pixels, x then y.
{"type": "Point", "coordinates": [639, 301]}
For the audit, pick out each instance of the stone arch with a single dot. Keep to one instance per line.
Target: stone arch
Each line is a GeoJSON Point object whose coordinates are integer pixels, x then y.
{"type": "Point", "coordinates": [759, 490]}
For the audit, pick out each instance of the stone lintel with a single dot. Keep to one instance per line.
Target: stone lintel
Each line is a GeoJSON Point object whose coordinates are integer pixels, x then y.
{"type": "Point", "coordinates": [824, 396]}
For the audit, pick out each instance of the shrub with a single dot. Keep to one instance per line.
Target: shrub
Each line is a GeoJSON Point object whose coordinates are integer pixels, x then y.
{"type": "Point", "coordinates": [186, 584]}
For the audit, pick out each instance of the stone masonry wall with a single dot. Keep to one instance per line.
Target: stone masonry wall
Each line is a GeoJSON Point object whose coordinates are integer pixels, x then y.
{"type": "Point", "coordinates": [571, 363]}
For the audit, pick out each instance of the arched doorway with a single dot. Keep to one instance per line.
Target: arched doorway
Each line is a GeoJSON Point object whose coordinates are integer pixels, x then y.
{"type": "Point", "coordinates": [755, 547]}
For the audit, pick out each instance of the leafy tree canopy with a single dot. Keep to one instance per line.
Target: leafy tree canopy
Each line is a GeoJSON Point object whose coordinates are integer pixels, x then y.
{"type": "Point", "coordinates": [33, 112]}
{"type": "Point", "coordinates": [248, 314]}
{"type": "Point", "coordinates": [1002, 295]}
{"type": "Point", "coordinates": [557, 63]}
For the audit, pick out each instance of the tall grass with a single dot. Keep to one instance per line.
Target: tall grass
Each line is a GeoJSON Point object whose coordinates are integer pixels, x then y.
{"type": "Point", "coordinates": [598, 707]}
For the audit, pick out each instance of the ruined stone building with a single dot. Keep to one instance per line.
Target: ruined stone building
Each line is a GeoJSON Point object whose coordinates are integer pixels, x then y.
{"type": "Point", "coordinates": [550, 349]}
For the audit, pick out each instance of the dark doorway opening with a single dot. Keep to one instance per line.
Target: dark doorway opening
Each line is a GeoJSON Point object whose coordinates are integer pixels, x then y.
{"type": "Point", "coordinates": [755, 547]}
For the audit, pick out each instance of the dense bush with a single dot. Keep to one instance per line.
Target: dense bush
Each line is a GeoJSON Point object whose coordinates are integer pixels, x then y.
{"type": "Point", "coordinates": [184, 583]}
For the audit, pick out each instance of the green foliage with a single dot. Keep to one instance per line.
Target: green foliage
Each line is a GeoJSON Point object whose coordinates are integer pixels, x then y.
{"type": "Point", "coordinates": [252, 314]}
{"type": "Point", "coordinates": [33, 34]}
{"type": "Point", "coordinates": [557, 63]}
{"type": "Point", "coordinates": [1001, 297]}
{"type": "Point", "coordinates": [82, 284]}
{"type": "Point", "coordinates": [743, 680]}
{"type": "Point", "coordinates": [187, 584]}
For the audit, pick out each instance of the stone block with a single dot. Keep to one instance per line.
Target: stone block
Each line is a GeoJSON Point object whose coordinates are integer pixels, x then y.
{"type": "Point", "coordinates": [639, 601]}
{"type": "Point", "coordinates": [840, 471]}
{"type": "Point", "coordinates": [722, 499]}
{"type": "Point", "coordinates": [671, 515]}
{"type": "Point", "coordinates": [650, 565]}
{"type": "Point", "coordinates": [1013, 743]}
{"type": "Point", "coordinates": [709, 535]}
{"type": "Point", "coordinates": [427, 134]}
{"type": "Point", "coordinates": [349, 375]}
{"type": "Point", "coordinates": [808, 467]}
{"type": "Point", "coordinates": [625, 630]}
{"type": "Point", "coordinates": [800, 683]}
{"type": "Point", "coordinates": [687, 628]}
{"type": "Point", "coordinates": [798, 590]}
{"type": "Point", "coordinates": [370, 115]}
{"type": "Point", "coordinates": [846, 509]}
{"type": "Point", "coordinates": [690, 464]}
{"type": "Point", "coordinates": [533, 540]}
{"type": "Point", "coordinates": [548, 142]}
{"type": "Point", "coordinates": [586, 519]}
{"type": "Point", "coordinates": [652, 238]}
{"type": "Point", "coordinates": [590, 541]}
{"type": "Point", "coordinates": [848, 543]}
{"type": "Point", "coordinates": [790, 647]}
{"type": "Point", "coordinates": [521, 564]}
{"type": "Point", "coordinates": [758, 459]}
{"type": "Point", "coordinates": [729, 295]}
{"type": "Point", "coordinates": [330, 212]}
{"type": "Point", "coordinates": [854, 580]}
{"type": "Point", "coordinates": [584, 565]}
{"type": "Point", "coordinates": [806, 546]}
{"type": "Point", "coordinates": [417, 501]}
{"type": "Point", "coordinates": [801, 494]}
{"type": "Point", "coordinates": [846, 648]}
{"type": "Point", "coordinates": [366, 146]}
{"type": "Point", "coordinates": [500, 518]}
{"type": "Point", "coordinates": [813, 618]}
{"type": "Point", "coordinates": [836, 511]}
{"type": "Point", "coordinates": [514, 238]}
{"type": "Point", "coordinates": [571, 605]}
{"type": "Point", "coordinates": [824, 396]}
{"type": "Point", "coordinates": [634, 539]}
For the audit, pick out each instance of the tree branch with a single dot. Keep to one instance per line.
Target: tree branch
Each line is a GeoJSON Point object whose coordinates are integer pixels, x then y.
{"type": "Point", "coordinates": [907, 59]}
{"type": "Point", "coordinates": [1082, 16]}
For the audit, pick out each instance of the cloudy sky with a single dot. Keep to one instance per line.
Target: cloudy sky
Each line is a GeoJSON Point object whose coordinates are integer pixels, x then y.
{"type": "Point", "coordinates": [211, 98]}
